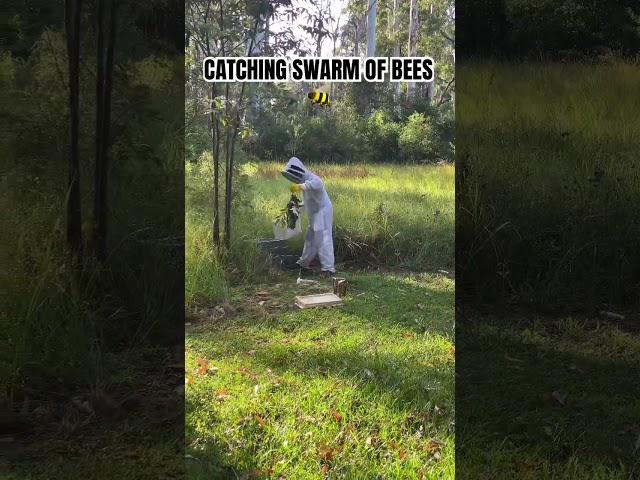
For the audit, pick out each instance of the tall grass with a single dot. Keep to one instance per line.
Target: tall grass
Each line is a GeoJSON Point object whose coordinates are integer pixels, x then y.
{"type": "Point", "coordinates": [391, 216]}
{"type": "Point", "coordinates": [59, 315]}
{"type": "Point", "coordinates": [549, 181]}
{"type": "Point", "coordinates": [43, 304]}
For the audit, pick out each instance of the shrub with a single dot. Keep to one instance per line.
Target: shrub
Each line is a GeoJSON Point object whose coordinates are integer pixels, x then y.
{"type": "Point", "coordinates": [382, 137]}
{"type": "Point", "coordinates": [418, 141]}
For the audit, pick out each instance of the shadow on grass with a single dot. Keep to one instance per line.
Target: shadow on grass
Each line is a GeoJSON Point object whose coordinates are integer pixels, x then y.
{"type": "Point", "coordinates": [554, 395]}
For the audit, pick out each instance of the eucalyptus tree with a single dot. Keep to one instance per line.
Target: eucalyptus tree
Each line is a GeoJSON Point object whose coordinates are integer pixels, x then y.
{"type": "Point", "coordinates": [411, 28]}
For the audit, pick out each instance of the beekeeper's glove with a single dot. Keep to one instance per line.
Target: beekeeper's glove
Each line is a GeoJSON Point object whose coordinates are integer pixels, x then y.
{"type": "Point", "coordinates": [295, 188]}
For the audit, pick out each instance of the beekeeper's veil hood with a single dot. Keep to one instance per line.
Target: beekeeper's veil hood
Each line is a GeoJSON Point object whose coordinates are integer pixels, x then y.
{"type": "Point", "coordinates": [295, 171]}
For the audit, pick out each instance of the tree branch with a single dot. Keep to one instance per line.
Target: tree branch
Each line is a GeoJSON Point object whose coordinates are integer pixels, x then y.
{"type": "Point", "coordinates": [444, 92]}
{"type": "Point", "coordinates": [444, 34]}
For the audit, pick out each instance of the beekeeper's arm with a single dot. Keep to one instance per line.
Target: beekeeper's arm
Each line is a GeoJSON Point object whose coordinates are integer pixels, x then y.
{"type": "Point", "coordinates": [311, 184]}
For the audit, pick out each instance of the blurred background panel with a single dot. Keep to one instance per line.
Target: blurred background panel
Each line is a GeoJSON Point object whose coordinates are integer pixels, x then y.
{"type": "Point", "coordinates": [546, 239]}
{"type": "Point", "coordinates": [91, 317]}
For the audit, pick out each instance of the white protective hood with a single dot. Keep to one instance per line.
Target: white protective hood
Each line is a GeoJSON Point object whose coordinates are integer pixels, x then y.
{"type": "Point", "coordinates": [295, 171]}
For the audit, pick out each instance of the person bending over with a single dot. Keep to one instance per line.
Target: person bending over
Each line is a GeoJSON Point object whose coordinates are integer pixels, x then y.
{"type": "Point", "coordinates": [318, 240]}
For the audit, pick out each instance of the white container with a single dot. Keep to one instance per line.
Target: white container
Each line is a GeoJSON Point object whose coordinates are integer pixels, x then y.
{"type": "Point", "coordinates": [283, 233]}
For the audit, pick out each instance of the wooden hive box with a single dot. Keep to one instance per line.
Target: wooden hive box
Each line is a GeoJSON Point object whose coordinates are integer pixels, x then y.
{"type": "Point", "coordinates": [319, 300]}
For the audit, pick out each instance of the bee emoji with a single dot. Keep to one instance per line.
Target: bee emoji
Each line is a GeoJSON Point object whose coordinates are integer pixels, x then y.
{"type": "Point", "coordinates": [320, 98]}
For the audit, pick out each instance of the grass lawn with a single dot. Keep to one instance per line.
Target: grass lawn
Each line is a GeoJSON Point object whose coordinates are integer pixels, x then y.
{"type": "Point", "coordinates": [361, 391]}
{"type": "Point", "coordinates": [541, 398]}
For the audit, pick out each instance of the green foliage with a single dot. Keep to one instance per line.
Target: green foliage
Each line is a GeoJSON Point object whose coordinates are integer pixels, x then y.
{"type": "Point", "coordinates": [404, 133]}
{"type": "Point", "coordinates": [382, 133]}
{"type": "Point", "coordinates": [564, 29]}
{"type": "Point", "coordinates": [417, 138]}
{"type": "Point", "coordinates": [322, 139]}
{"type": "Point", "coordinates": [204, 277]}
{"type": "Point", "coordinates": [197, 140]}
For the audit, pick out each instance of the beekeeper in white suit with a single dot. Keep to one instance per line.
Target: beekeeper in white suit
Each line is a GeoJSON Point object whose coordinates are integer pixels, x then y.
{"type": "Point", "coordinates": [319, 238]}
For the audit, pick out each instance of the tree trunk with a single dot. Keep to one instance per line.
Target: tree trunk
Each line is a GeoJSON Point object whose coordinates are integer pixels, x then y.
{"type": "Point", "coordinates": [214, 125]}
{"type": "Point", "coordinates": [227, 172]}
{"type": "Point", "coordinates": [371, 28]}
{"type": "Point", "coordinates": [215, 154]}
{"type": "Point", "coordinates": [103, 122]}
{"type": "Point", "coordinates": [257, 49]}
{"type": "Point", "coordinates": [231, 141]}
{"type": "Point", "coordinates": [430, 88]}
{"type": "Point", "coordinates": [99, 130]}
{"type": "Point", "coordinates": [228, 197]}
{"type": "Point", "coordinates": [320, 37]}
{"type": "Point", "coordinates": [356, 38]}
{"type": "Point", "coordinates": [414, 29]}
{"type": "Point", "coordinates": [396, 36]}
{"type": "Point", "coordinates": [74, 207]}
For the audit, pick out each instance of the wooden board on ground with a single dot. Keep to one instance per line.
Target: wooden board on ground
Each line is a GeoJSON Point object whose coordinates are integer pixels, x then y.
{"type": "Point", "coordinates": [320, 300]}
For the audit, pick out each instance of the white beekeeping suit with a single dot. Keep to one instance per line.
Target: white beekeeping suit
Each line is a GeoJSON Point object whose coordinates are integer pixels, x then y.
{"type": "Point", "coordinates": [319, 238]}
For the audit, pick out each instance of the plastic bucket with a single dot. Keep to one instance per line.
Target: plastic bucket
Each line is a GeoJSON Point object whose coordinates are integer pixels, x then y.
{"type": "Point", "coordinates": [283, 233]}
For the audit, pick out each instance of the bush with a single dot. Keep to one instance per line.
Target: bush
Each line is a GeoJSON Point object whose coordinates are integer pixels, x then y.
{"type": "Point", "coordinates": [382, 134]}
{"type": "Point", "coordinates": [418, 141]}
{"type": "Point", "coordinates": [332, 136]}
{"type": "Point", "coordinates": [363, 125]}
{"type": "Point", "coordinates": [269, 139]}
